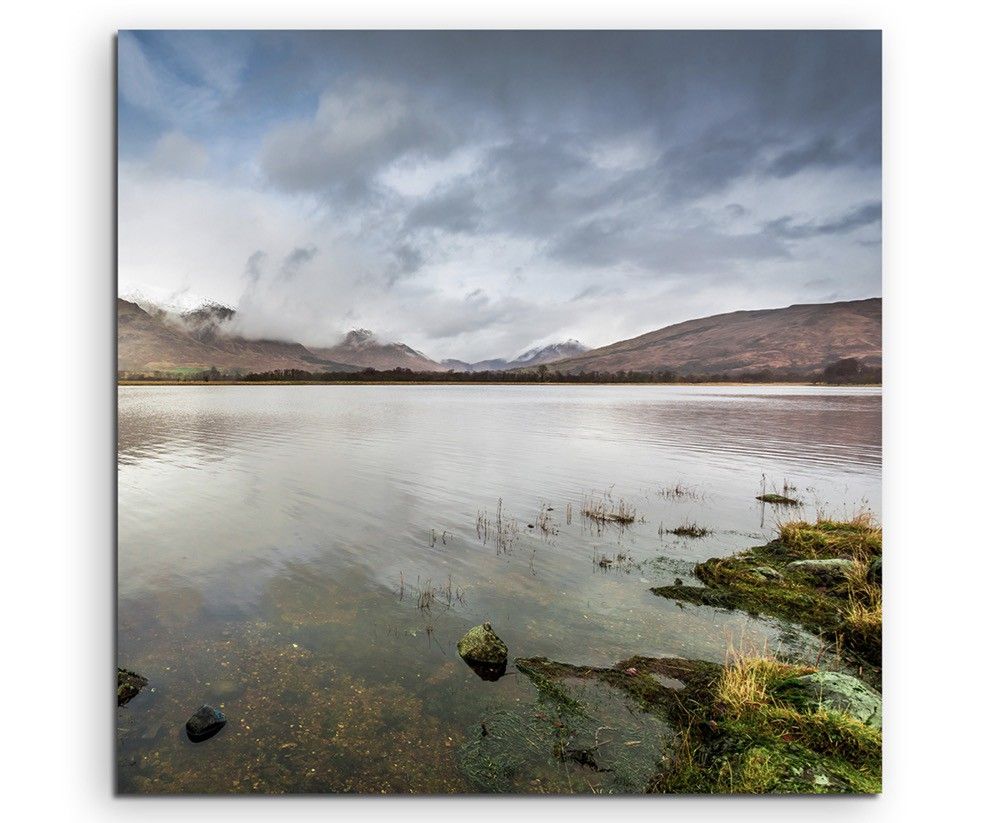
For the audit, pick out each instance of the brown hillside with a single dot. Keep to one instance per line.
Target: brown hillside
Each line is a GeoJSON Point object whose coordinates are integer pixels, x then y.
{"type": "Point", "coordinates": [797, 338]}
{"type": "Point", "coordinates": [156, 343]}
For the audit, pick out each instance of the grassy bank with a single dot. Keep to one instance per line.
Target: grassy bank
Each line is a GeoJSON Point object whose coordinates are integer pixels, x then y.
{"type": "Point", "coordinates": [734, 729]}
{"type": "Point", "coordinates": [756, 724]}
{"type": "Point", "coordinates": [824, 576]}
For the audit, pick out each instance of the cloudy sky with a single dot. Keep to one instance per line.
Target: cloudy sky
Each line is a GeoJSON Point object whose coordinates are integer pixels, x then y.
{"type": "Point", "coordinates": [477, 193]}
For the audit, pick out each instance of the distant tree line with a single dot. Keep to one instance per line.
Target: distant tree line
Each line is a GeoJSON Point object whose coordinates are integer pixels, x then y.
{"type": "Point", "coordinates": [848, 371]}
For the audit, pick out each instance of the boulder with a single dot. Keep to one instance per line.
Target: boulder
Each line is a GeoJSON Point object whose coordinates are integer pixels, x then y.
{"type": "Point", "coordinates": [204, 723]}
{"type": "Point", "coordinates": [826, 571]}
{"type": "Point", "coordinates": [129, 685]}
{"type": "Point", "coordinates": [765, 573]}
{"type": "Point", "coordinates": [875, 571]}
{"type": "Point", "coordinates": [484, 651]}
{"type": "Point", "coordinates": [834, 691]}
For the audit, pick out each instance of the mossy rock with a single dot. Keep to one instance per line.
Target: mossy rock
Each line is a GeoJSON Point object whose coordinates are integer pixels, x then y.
{"type": "Point", "coordinates": [129, 685]}
{"type": "Point", "coordinates": [482, 645]}
{"type": "Point", "coordinates": [764, 573]}
{"type": "Point", "coordinates": [833, 691]}
{"type": "Point", "coordinates": [827, 571]}
{"type": "Point", "coordinates": [875, 571]}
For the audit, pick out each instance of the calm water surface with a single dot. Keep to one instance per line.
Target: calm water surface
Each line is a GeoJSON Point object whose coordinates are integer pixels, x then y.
{"type": "Point", "coordinates": [275, 543]}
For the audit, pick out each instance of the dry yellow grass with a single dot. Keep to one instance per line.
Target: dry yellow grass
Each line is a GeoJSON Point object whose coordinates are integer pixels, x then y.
{"type": "Point", "coordinates": [859, 538]}
{"type": "Point", "coordinates": [747, 678]}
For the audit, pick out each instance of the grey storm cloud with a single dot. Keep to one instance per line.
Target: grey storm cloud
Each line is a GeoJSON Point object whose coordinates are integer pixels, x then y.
{"type": "Point", "coordinates": [390, 174]}
{"type": "Point", "coordinates": [857, 218]}
{"type": "Point", "coordinates": [296, 259]}
{"type": "Point", "coordinates": [254, 268]}
{"type": "Point", "coordinates": [357, 129]}
{"type": "Point", "coordinates": [454, 211]}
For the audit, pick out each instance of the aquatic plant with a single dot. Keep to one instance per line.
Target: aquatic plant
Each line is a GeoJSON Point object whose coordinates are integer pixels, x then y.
{"type": "Point", "coordinates": [497, 529]}
{"type": "Point", "coordinates": [605, 509]}
{"type": "Point", "coordinates": [678, 491]}
{"type": "Point", "coordinates": [782, 498]}
{"type": "Point", "coordinates": [427, 595]}
{"type": "Point", "coordinates": [686, 529]}
{"type": "Point", "coordinates": [545, 522]}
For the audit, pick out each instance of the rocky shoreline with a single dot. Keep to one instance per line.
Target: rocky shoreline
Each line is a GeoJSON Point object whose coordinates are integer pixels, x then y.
{"type": "Point", "coordinates": [756, 724]}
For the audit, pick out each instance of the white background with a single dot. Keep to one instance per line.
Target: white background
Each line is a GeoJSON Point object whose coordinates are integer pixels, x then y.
{"type": "Point", "coordinates": [941, 222]}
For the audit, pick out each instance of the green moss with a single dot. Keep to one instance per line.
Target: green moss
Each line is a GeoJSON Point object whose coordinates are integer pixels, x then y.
{"type": "Point", "coordinates": [549, 688]}
{"type": "Point", "coordinates": [838, 610]}
{"type": "Point", "coordinates": [482, 645]}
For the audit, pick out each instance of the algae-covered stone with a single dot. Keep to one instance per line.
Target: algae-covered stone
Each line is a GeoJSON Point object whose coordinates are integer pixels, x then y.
{"type": "Point", "coordinates": [129, 685]}
{"type": "Point", "coordinates": [829, 571]}
{"type": "Point", "coordinates": [484, 651]}
{"type": "Point", "coordinates": [765, 573]}
{"type": "Point", "coordinates": [834, 691]}
{"type": "Point", "coordinates": [482, 645]}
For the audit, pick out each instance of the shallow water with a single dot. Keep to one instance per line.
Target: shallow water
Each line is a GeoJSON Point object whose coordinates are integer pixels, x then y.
{"type": "Point", "coordinates": [275, 544]}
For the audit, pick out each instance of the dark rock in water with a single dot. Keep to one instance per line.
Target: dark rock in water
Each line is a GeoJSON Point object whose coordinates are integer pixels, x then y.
{"type": "Point", "coordinates": [834, 691]}
{"type": "Point", "coordinates": [484, 651]}
{"type": "Point", "coordinates": [204, 723]}
{"type": "Point", "coordinates": [129, 685]}
{"type": "Point", "coordinates": [875, 572]}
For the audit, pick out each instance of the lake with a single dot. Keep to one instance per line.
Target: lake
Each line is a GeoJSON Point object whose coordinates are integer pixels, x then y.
{"type": "Point", "coordinates": [307, 557]}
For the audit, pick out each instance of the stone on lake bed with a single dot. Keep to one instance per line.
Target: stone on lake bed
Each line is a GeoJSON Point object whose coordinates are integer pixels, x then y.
{"type": "Point", "coordinates": [828, 571]}
{"type": "Point", "coordinates": [129, 685]}
{"type": "Point", "coordinates": [834, 691]}
{"type": "Point", "coordinates": [204, 723]}
{"type": "Point", "coordinates": [482, 645]}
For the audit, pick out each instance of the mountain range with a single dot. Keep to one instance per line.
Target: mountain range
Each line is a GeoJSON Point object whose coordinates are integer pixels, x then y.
{"type": "Point", "coordinates": [533, 357]}
{"type": "Point", "coordinates": [802, 338]}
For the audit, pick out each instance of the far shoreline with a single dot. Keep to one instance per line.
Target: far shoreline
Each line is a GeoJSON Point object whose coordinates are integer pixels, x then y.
{"type": "Point", "coordinates": [203, 383]}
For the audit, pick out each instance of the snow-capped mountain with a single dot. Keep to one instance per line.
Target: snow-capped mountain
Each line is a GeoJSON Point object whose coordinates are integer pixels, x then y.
{"type": "Point", "coordinates": [532, 357]}
{"type": "Point", "coordinates": [549, 353]}
{"type": "Point", "coordinates": [361, 347]}
{"type": "Point", "coordinates": [158, 299]}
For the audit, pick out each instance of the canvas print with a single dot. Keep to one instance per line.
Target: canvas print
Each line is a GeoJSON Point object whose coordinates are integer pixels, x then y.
{"type": "Point", "coordinates": [499, 412]}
